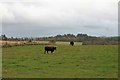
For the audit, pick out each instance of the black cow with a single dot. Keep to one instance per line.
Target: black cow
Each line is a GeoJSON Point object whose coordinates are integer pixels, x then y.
{"type": "Point", "coordinates": [50, 48]}
{"type": "Point", "coordinates": [72, 43]}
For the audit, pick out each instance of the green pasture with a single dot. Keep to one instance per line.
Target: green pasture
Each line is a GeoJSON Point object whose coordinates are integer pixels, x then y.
{"type": "Point", "coordinates": [79, 61]}
{"type": "Point", "coordinates": [67, 43]}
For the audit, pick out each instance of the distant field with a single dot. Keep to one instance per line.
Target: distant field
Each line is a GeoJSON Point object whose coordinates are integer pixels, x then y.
{"type": "Point", "coordinates": [21, 42]}
{"type": "Point", "coordinates": [67, 43]}
{"type": "Point", "coordinates": [79, 61]}
{"type": "Point", "coordinates": [12, 43]}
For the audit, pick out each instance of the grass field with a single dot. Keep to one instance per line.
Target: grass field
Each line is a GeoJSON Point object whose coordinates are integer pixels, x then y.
{"type": "Point", "coordinates": [79, 61]}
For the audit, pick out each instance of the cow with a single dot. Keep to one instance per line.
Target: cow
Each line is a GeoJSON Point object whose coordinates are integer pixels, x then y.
{"type": "Point", "coordinates": [49, 48]}
{"type": "Point", "coordinates": [72, 43]}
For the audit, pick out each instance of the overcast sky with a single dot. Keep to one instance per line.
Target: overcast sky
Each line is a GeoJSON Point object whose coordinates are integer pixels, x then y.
{"type": "Point", "coordinates": [34, 18]}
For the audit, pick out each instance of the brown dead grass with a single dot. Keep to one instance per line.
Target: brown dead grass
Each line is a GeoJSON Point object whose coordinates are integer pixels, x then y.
{"type": "Point", "coordinates": [22, 42]}
{"type": "Point", "coordinates": [12, 42]}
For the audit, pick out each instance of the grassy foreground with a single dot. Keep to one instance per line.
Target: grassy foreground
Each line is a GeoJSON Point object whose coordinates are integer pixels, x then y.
{"type": "Point", "coordinates": [79, 61]}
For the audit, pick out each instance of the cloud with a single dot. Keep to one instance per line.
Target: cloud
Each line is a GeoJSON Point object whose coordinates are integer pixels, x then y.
{"type": "Point", "coordinates": [79, 15]}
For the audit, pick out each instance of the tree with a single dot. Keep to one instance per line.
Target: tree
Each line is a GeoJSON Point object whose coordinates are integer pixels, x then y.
{"type": "Point", "coordinates": [4, 37]}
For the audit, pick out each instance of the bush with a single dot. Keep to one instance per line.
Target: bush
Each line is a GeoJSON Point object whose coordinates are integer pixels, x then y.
{"type": "Point", "coordinates": [52, 41]}
{"type": "Point", "coordinates": [6, 45]}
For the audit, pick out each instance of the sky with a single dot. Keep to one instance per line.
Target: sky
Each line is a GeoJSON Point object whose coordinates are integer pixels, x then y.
{"type": "Point", "coordinates": [40, 18]}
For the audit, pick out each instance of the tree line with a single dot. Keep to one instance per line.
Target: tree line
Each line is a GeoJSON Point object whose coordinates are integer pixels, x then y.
{"type": "Point", "coordinates": [84, 38]}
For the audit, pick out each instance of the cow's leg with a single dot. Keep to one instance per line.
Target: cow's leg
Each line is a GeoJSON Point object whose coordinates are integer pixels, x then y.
{"type": "Point", "coordinates": [47, 51]}
{"type": "Point", "coordinates": [44, 52]}
{"type": "Point", "coordinates": [52, 51]}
